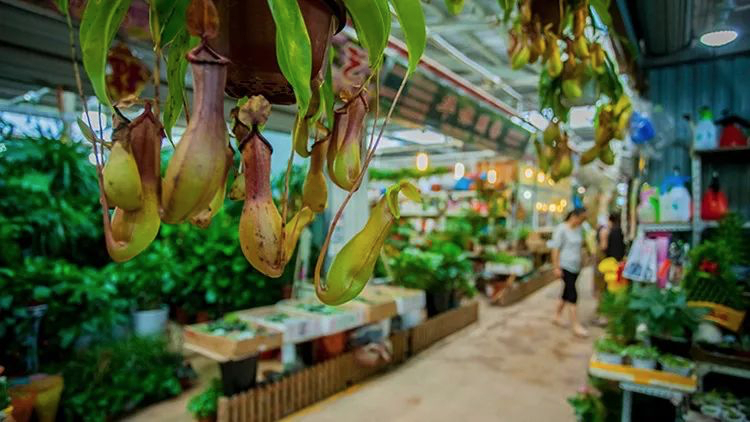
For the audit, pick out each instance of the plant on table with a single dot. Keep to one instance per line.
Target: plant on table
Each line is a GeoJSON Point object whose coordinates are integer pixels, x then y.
{"type": "Point", "coordinates": [621, 320]}
{"type": "Point", "coordinates": [710, 275]}
{"type": "Point", "coordinates": [664, 311]}
{"type": "Point", "coordinates": [641, 352]}
{"type": "Point", "coordinates": [195, 183]}
{"type": "Point", "coordinates": [539, 31]}
{"type": "Point", "coordinates": [608, 345]}
{"type": "Point", "coordinates": [108, 380]}
{"type": "Point", "coordinates": [673, 361]}
{"type": "Point", "coordinates": [588, 406]}
{"type": "Point", "coordinates": [204, 405]}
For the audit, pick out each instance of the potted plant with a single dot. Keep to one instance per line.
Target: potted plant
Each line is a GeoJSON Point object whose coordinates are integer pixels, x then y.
{"type": "Point", "coordinates": [587, 406]}
{"type": "Point", "coordinates": [609, 351]}
{"type": "Point", "coordinates": [642, 356]}
{"type": "Point", "coordinates": [665, 312]}
{"type": "Point", "coordinates": [5, 403]}
{"type": "Point", "coordinates": [732, 415]}
{"type": "Point", "coordinates": [204, 405]}
{"type": "Point", "coordinates": [711, 410]}
{"type": "Point", "coordinates": [676, 364]}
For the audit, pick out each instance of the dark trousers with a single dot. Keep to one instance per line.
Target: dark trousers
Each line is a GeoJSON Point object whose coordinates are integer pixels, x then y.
{"type": "Point", "coordinates": [569, 294]}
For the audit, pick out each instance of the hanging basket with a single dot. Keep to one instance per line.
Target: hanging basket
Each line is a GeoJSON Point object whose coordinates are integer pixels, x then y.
{"type": "Point", "coordinates": [247, 37]}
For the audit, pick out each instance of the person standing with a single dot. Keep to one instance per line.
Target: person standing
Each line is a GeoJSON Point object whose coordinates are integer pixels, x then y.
{"type": "Point", "coordinates": [567, 256]}
{"type": "Point", "coordinates": [612, 240]}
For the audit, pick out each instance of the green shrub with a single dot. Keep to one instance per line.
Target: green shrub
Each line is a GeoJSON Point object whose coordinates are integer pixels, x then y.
{"type": "Point", "coordinates": [608, 345]}
{"type": "Point", "coordinates": [664, 311]}
{"type": "Point", "coordinates": [639, 351]}
{"type": "Point", "coordinates": [205, 404]}
{"type": "Point", "coordinates": [109, 380]}
{"type": "Point", "coordinates": [588, 407]}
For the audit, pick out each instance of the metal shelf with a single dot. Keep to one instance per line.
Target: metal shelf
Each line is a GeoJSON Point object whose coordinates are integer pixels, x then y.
{"type": "Point", "coordinates": [666, 227]}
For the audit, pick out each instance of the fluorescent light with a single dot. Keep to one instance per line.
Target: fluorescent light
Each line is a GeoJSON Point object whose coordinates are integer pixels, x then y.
{"type": "Point", "coordinates": [422, 161]}
{"type": "Point", "coordinates": [458, 171]}
{"type": "Point", "coordinates": [718, 38]}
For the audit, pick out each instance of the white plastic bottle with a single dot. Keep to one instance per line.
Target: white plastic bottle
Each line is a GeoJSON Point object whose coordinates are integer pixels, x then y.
{"type": "Point", "coordinates": [705, 135]}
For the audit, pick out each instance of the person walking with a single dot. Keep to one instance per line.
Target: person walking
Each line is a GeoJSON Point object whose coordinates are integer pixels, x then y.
{"type": "Point", "coordinates": [567, 244]}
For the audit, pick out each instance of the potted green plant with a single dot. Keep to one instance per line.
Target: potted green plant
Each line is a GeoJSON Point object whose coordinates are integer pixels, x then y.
{"type": "Point", "coordinates": [204, 405]}
{"type": "Point", "coordinates": [588, 406]}
{"type": "Point", "coordinates": [676, 364]}
{"type": "Point", "coordinates": [642, 356]}
{"type": "Point", "coordinates": [732, 415]}
{"type": "Point", "coordinates": [5, 403]}
{"type": "Point", "coordinates": [609, 350]}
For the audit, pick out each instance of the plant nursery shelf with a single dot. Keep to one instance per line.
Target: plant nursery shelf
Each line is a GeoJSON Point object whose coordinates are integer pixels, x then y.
{"type": "Point", "coordinates": [649, 377]}
{"type": "Point", "coordinates": [666, 227]}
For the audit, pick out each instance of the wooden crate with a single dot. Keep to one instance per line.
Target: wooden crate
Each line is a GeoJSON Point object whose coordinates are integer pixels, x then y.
{"type": "Point", "coordinates": [274, 401]}
{"type": "Point", "coordinates": [427, 333]}
{"type": "Point", "coordinates": [519, 290]}
{"type": "Point", "coordinates": [230, 347]}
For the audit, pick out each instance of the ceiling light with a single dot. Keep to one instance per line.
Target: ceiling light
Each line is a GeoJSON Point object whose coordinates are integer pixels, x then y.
{"type": "Point", "coordinates": [458, 171]}
{"type": "Point", "coordinates": [538, 206]}
{"type": "Point", "coordinates": [581, 190]}
{"type": "Point", "coordinates": [563, 203]}
{"type": "Point", "coordinates": [552, 207]}
{"type": "Point", "coordinates": [540, 177]}
{"type": "Point", "coordinates": [526, 194]}
{"type": "Point", "coordinates": [718, 38]}
{"type": "Point", "coordinates": [492, 176]}
{"type": "Point", "coordinates": [422, 161]}
{"type": "Point", "coordinates": [529, 173]}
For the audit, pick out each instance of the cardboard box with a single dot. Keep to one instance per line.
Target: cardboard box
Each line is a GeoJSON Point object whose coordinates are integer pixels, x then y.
{"type": "Point", "coordinates": [377, 307]}
{"type": "Point", "coordinates": [407, 300]}
{"type": "Point", "coordinates": [332, 319]}
{"type": "Point", "coordinates": [235, 345]}
{"type": "Point", "coordinates": [296, 327]}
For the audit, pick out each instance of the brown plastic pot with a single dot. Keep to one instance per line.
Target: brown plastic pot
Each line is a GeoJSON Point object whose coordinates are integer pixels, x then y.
{"type": "Point", "coordinates": [247, 37]}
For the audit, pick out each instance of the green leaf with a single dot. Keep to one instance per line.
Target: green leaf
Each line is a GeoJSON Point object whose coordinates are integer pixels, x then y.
{"type": "Point", "coordinates": [176, 69]}
{"type": "Point", "coordinates": [372, 30]}
{"type": "Point", "coordinates": [171, 15]}
{"type": "Point", "coordinates": [62, 5]}
{"type": "Point", "coordinates": [293, 49]}
{"type": "Point", "coordinates": [326, 90]}
{"type": "Point", "coordinates": [602, 9]}
{"type": "Point", "coordinates": [99, 24]}
{"type": "Point", "coordinates": [411, 17]}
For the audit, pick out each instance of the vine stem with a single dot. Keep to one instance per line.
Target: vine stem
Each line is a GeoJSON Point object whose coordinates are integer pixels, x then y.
{"type": "Point", "coordinates": [358, 182]}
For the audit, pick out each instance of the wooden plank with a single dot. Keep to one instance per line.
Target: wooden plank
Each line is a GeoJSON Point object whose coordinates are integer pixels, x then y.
{"type": "Point", "coordinates": [235, 400]}
{"type": "Point", "coordinates": [253, 405]}
{"type": "Point", "coordinates": [222, 414]}
{"type": "Point", "coordinates": [242, 410]}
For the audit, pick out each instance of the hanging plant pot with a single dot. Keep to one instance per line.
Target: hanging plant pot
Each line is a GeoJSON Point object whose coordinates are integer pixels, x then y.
{"type": "Point", "coordinates": [247, 37]}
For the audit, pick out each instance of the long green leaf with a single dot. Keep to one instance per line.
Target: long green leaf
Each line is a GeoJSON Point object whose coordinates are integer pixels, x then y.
{"type": "Point", "coordinates": [602, 9]}
{"type": "Point", "coordinates": [293, 50]}
{"type": "Point", "coordinates": [171, 14]}
{"type": "Point", "coordinates": [372, 28]}
{"type": "Point", "coordinates": [176, 69]}
{"type": "Point", "coordinates": [99, 24]}
{"type": "Point", "coordinates": [411, 17]}
{"type": "Point", "coordinates": [62, 5]}
{"type": "Point", "coordinates": [326, 90]}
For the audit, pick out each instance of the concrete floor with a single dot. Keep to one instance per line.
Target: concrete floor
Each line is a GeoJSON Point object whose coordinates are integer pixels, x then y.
{"type": "Point", "coordinates": [513, 365]}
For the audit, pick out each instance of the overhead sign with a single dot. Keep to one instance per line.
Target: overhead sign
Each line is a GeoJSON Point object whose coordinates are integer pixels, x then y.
{"type": "Point", "coordinates": [426, 102]}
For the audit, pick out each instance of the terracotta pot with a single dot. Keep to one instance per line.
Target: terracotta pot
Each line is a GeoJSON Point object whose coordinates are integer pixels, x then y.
{"type": "Point", "coordinates": [247, 37]}
{"type": "Point", "coordinates": [23, 405]}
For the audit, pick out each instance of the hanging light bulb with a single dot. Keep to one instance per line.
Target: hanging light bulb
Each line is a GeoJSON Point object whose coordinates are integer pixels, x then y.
{"type": "Point", "coordinates": [538, 206]}
{"type": "Point", "coordinates": [581, 190]}
{"type": "Point", "coordinates": [423, 161]}
{"type": "Point", "coordinates": [526, 194]}
{"type": "Point", "coordinates": [540, 177]}
{"type": "Point", "coordinates": [492, 176]}
{"type": "Point", "coordinates": [552, 207]}
{"type": "Point", "coordinates": [458, 171]}
{"type": "Point", "coordinates": [563, 203]}
{"type": "Point", "coordinates": [529, 173]}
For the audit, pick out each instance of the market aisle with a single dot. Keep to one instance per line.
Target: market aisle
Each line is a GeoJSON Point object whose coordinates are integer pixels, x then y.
{"type": "Point", "coordinates": [514, 365]}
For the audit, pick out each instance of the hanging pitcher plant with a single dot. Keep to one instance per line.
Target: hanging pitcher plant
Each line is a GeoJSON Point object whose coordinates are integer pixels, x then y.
{"type": "Point", "coordinates": [576, 71]}
{"type": "Point", "coordinates": [261, 52]}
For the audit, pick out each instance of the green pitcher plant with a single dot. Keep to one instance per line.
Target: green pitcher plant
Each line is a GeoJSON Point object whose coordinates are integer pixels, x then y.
{"type": "Point", "coordinates": [329, 132]}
